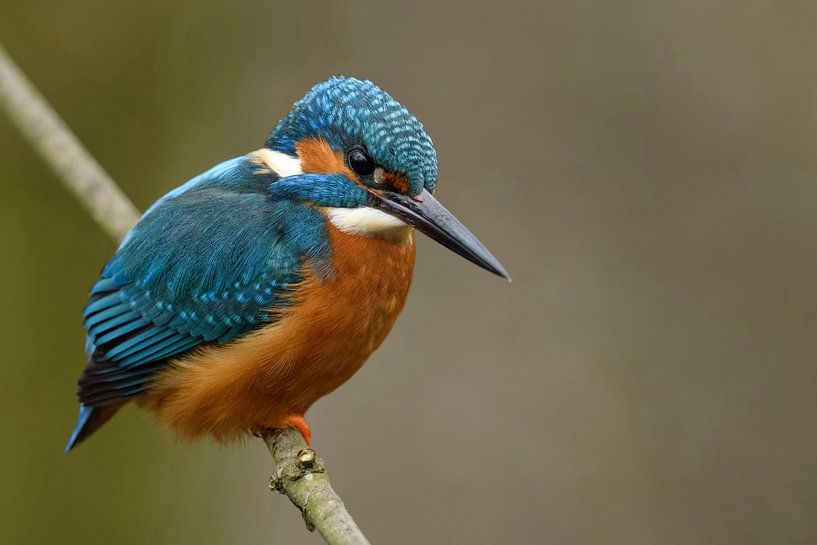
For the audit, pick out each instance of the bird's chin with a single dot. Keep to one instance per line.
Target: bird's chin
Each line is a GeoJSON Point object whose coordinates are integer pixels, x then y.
{"type": "Point", "coordinates": [369, 222]}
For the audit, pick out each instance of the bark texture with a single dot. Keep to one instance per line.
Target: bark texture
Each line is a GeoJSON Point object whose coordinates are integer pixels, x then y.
{"type": "Point", "coordinates": [302, 477]}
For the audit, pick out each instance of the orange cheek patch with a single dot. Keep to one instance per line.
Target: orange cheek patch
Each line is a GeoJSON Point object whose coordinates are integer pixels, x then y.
{"type": "Point", "coordinates": [318, 157]}
{"type": "Point", "coordinates": [396, 181]}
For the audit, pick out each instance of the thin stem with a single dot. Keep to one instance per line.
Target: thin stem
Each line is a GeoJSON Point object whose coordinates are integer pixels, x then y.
{"type": "Point", "coordinates": [302, 477]}
{"type": "Point", "coordinates": [64, 153]}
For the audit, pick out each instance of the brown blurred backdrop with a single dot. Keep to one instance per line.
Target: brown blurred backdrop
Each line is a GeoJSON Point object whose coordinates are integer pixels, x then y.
{"type": "Point", "coordinates": [645, 170]}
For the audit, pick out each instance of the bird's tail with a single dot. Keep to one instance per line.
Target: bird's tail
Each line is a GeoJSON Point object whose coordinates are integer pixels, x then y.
{"type": "Point", "coordinates": [90, 419]}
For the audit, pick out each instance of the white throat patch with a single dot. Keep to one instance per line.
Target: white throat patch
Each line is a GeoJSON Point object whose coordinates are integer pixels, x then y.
{"type": "Point", "coordinates": [369, 222]}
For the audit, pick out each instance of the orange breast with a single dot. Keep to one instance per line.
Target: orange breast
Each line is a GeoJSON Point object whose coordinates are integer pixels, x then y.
{"type": "Point", "coordinates": [320, 342]}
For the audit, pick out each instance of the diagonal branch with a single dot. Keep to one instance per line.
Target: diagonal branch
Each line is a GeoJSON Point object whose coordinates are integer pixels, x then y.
{"type": "Point", "coordinates": [64, 153]}
{"type": "Point", "coordinates": [299, 473]}
{"type": "Point", "coordinates": [302, 477]}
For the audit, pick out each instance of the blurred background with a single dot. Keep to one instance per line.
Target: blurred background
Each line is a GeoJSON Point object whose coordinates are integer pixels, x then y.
{"type": "Point", "coordinates": [645, 170]}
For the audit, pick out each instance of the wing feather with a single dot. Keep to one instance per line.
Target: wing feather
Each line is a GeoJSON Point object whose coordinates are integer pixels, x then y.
{"type": "Point", "coordinates": [208, 263]}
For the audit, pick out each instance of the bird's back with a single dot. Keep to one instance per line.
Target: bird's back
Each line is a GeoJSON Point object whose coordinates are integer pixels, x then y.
{"type": "Point", "coordinates": [225, 308]}
{"type": "Point", "coordinates": [210, 262]}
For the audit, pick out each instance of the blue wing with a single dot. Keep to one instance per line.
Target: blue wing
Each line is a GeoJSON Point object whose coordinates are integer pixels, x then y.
{"type": "Point", "coordinates": [208, 263]}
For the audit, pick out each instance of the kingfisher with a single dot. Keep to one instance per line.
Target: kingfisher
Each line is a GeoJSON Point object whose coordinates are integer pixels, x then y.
{"type": "Point", "coordinates": [259, 286]}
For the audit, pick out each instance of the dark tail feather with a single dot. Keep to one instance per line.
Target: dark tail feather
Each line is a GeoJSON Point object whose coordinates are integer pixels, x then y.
{"type": "Point", "coordinates": [90, 419]}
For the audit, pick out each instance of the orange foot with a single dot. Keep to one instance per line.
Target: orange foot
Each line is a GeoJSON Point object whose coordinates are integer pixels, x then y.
{"type": "Point", "coordinates": [298, 422]}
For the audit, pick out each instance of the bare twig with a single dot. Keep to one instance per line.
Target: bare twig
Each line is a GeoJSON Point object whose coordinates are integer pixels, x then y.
{"type": "Point", "coordinates": [61, 149]}
{"type": "Point", "coordinates": [302, 476]}
{"type": "Point", "coordinates": [299, 473]}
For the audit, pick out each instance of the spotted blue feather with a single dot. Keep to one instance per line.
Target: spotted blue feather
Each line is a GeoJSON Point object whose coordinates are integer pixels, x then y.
{"type": "Point", "coordinates": [208, 263]}
{"type": "Point", "coordinates": [348, 112]}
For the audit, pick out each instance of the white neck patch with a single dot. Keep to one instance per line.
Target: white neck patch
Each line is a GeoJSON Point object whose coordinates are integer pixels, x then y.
{"type": "Point", "coordinates": [363, 220]}
{"type": "Point", "coordinates": [368, 221]}
{"type": "Point", "coordinates": [280, 163]}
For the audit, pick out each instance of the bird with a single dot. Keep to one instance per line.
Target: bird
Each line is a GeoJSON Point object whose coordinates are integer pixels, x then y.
{"type": "Point", "coordinates": [261, 285]}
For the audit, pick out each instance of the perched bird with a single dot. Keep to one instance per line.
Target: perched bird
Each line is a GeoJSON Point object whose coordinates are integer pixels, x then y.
{"type": "Point", "coordinates": [243, 296]}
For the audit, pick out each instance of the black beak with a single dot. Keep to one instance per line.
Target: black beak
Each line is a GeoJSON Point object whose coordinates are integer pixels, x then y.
{"type": "Point", "coordinates": [426, 214]}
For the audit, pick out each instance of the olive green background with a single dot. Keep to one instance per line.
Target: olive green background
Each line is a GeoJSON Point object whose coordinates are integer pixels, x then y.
{"type": "Point", "coordinates": [644, 169]}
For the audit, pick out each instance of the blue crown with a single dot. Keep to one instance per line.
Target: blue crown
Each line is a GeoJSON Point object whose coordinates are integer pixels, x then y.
{"type": "Point", "coordinates": [347, 112]}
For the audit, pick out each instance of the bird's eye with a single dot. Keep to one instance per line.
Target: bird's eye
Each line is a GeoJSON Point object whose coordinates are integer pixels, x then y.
{"type": "Point", "coordinates": [360, 162]}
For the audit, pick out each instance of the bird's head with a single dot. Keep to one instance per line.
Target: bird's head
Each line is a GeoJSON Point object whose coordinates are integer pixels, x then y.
{"type": "Point", "coordinates": [350, 148]}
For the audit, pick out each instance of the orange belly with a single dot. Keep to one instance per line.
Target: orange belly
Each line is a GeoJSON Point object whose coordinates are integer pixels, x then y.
{"type": "Point", "coordinates": [314, 347]}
